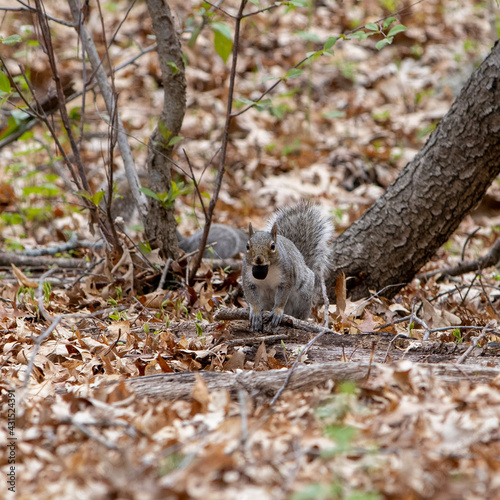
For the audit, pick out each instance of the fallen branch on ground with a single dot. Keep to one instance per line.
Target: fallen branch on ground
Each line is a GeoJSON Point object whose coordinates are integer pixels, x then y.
{"type": "Point", "coordinates": [173, 386]}
{"type": "Point", "coordinates": [489, 259]}
{"type": "Point", "coordinates": [225, 314]}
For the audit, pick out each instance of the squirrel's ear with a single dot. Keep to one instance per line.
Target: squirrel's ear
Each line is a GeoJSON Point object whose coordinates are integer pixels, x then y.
{"type": "Point", "coordinates": [274, 231]}
{"type": "Point", "coordinates": [250, 229]}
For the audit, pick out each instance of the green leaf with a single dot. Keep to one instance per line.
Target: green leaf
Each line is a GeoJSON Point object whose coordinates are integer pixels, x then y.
{"type": "Point", "coordinates": [360, 35]}
{"type": "Point", "coordinates": [396, 29]}
{"type": "Point", "coordinates": [244, 100]}
{"type": "Point", "coordinates": [151, 194]}
{"type": "Point", "coordinates": [164, 131]}
{"type": "Point", "coordinates": [173, 67]}
{"type": "Point", "coordinates": [330, 42]}
{"type": "Point", "coordinates": [5, 83]}
{"type": "Point", "coordinates": [263, 105]}
{"type": "Point", "coordinates": [297, 3]}
{"type": "Point", "coordinates": [388, 22]}
{"type": "Point", "coordinates": [145, 247]}
{"type": "Point", "coordinates": [293, 73]}
{"type": "Point", "coordinates": [382, 43]}
{"type": "Point", "coordinates": [97, 198]}
{"type": "Point", "coordinates": [84, 194]}
{"type": "Point", "coordinates": [372, 27]}
{"type": "Point", "coordinates": [47, 190]}
{"type": "Point", "coordinates": [223, 29]}
{"type": "Point", "coordinates": [334, 114]}
{"type": "Point", "coordinates": [255, 2]}
{"type": "Point", "coordinates": [199, 330]}
{"type": "Point", "coordinates": [307, 35]}
{"type": "Point", "coordinates": [19, 115]}
{"type": "Point", "coordinates": [12, 40]}
{"type": "Point", "coordinates": [223, 45]}
{"type": "Point", "coordinates": [175, 140]}
{"type": "Point", "coordinates": [205, 195]}
{"type": "Point", "coordinates": [312, 55]}
{"type": "Point", "coordinates": [75, 113]}
{"type": "Point", "coordinates": [267, 78]}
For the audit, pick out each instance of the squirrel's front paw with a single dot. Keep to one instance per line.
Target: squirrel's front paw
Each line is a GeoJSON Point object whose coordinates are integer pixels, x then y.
{"type": "Point", "coordinates": [276, 317]}
{"type": "Point", "coordinates": [256, 321]}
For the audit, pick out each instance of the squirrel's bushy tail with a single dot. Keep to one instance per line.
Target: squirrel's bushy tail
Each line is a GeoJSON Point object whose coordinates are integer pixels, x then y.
{"type": "Point", "coordinates": [310, 231]}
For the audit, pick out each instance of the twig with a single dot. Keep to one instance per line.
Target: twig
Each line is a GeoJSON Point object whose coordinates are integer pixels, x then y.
{"type": "Point", "coordinates": [41, 305]}
{"type": "Point", "coordinates": [228, 14]}
{"type": "Point", "coordinates": [474, 342]}
{"type": "Point", "coordinates": [469, 237]}
{"type": "Point", "coordinates": [224, 314]}
{"type": "Point", "coordinates": [255, 12]}
{"type": "Point", "coordinates": [8, 258]}
{"type": "Point", "coordinates": [164, 274]}
{"type": "Point", "coordinates": [121, 23]}
{"type": "Point", "coordinates": [469, 288]}
{"type": "Point", "coordinates": [137, 56]}
{"type": "Point", "coordinates": [255, 340]}
{"type": "Point", "coordinates": [109, 99]}
{"type": "Point", "coordinates": [195, 183]}
{"type": "Point", "coordinates": [63, 247]}
{"type": "Point", "coordinates": [376, 295]}
{"type": "Point", "coordinates": [399, 335]}
{"type": "Point", "coordinates": [225, 140]}
{"type": "Point", "coordinates": [244, 419]}
{"type": "Point", "coordinates": [280, 80]}
{"type": "Point", "coordinates": [303, 352]}
{"type": "Point", "coordinates": [83, 428]}
{"type": "Point", "coordinates": [37, 344]}
{"type": "Point", "coordinates": [489, 259]}
{"type": "Point", "coordinates": [29, 8]}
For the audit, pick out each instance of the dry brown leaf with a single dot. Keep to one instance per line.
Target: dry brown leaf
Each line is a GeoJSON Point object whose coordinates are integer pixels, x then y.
{"type": "Point", "coordinates": [22, 279]}
{"type": "Point", "coordinates": [236, 361]}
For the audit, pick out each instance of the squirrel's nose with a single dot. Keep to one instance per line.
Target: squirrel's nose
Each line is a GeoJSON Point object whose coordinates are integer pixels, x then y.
{"type": "Point", "coordinates": [259, 260]}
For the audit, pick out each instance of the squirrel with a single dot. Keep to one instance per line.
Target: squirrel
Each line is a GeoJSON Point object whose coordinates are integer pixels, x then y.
{"type": "Point", "coordinates": [227, 241]}
{"type": "Point", "coordinates": [285, 266]}
{"type": "Point", "coordinates": [230, 241]}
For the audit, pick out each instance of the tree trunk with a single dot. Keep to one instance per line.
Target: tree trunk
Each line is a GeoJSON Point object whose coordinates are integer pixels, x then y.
{"type": "Point", "coordinates": [160, 223]}
{"type": "Point", "coordinates": [434, 192]}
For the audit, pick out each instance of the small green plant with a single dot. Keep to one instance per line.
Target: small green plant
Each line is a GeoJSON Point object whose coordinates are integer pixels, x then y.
{"type": "Point", "coordinates": [167, 199]}
{"type": "Point", "coordinates": [95, 198]}
{"type": "Point", "coordinates": [47, 291]}
{"type": "Point", "coordinates": [170, 463]}
{"type": "Point", "coordinates": [458, 335]}
{"type": "Point", "coordinates": [291, 149]}
{"type": "Point", "coordinates": [27, 294]}
{"type": "Point", "coordinates": [333, 414]}
{"type": "Point", "coordinates": [116, 315]}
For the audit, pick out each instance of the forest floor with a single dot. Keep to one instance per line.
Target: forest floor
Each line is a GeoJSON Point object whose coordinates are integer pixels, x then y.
{"type": "Point", "coordinates": [145, 395]}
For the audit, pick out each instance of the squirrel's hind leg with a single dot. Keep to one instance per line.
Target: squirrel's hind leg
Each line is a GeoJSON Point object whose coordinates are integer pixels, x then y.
{"type": "Point", "coordinates": [326, 302]}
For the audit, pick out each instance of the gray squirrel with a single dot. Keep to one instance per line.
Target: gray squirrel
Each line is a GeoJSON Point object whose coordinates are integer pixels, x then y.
{"type": "Point", "coordinates": [230, 241]}
{"type": "Point", "coordinates": [285, 266]}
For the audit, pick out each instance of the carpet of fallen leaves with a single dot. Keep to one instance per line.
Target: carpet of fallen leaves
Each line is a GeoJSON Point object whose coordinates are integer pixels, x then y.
{"type": "Point", "coordinates": [71, 425]}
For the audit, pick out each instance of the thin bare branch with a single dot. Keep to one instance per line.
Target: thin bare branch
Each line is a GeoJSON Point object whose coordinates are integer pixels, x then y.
{"type": "Point", "coordinates": [29, 8]}
{"type": "Point", "coordinates": [225, 140]}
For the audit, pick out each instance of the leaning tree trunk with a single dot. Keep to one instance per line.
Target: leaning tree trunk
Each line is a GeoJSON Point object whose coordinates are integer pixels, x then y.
{"type": "Point", "coordinates": [159, 225]}
{"type": "Point", "coordinates": [421, 209]}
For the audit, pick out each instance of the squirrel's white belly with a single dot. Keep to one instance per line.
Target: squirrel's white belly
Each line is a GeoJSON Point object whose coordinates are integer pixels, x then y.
{"type": "Point", "coordinates": [267, 287]}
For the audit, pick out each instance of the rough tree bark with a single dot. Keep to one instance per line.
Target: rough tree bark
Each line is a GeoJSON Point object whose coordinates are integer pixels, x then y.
{"type": "Point", "coordinates": [159, 225]}
{"type": "Point", "coordinates": [434, 192]}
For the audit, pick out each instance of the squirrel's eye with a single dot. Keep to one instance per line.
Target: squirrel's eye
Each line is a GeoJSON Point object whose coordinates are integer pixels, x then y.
{"type": "Point", "coordinates": [248, 246]}
{"type": "Point", "coordinates": [273, 246]}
